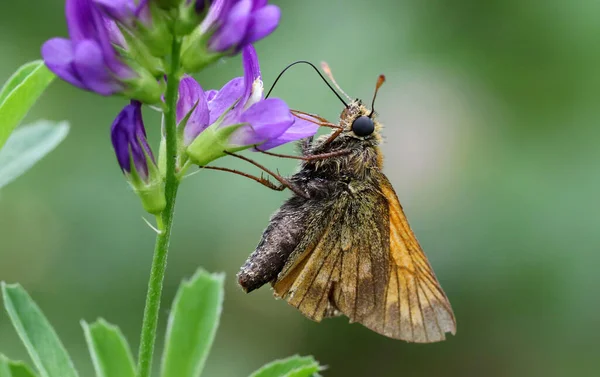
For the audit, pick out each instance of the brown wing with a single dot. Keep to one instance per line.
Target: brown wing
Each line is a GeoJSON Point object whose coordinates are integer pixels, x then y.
{"type": "Point", "coordinates": [363, 260]}
{"type": "Point", "coordinates": [415, 307]}
{"type": "Point", "coordinates": [334, 259]}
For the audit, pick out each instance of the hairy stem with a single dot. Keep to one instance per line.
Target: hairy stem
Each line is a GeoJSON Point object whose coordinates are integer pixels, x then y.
{"type": "Point", "coordinates": [161, 249]}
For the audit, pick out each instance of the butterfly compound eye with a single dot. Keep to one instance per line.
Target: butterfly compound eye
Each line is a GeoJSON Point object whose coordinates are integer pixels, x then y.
{"type": "Point", "coordinates": [363, 126]}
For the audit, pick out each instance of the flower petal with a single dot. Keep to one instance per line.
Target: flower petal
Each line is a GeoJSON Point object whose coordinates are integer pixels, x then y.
{"type": "Point", "coordinates": [103, 38]}
{"type": "Point", "coordinates": [232, 32]}
{"type": "Point", "coordinates": [119, 10]}
{"type": "Point", "coordinates": [257, 4]}
{"type": "Point", "coordinates": [266, 120]}
{"type": "Point", "coordinates": [299, 130]}
{"type": "Point", "coordinates": [90, 66]}
{"type": "Point", "coordinates": [216, 15]}
{"type": "Point", "coordinates": [262, 23]}
{"type": "Point", "coordinates": [225, 98]}
{"type": "Point", "coordinates": [190, 95]}
{"type": "Point", "coordinates": [114, 34]}
{"type": "Point", "coordinates": [211, 94]}
{"type": "Point", "coordinates": [58, 56]}
{"type": "Point", "coordinates": [251, 72]}
{"type": "Point", "coordinates": [79, 14]}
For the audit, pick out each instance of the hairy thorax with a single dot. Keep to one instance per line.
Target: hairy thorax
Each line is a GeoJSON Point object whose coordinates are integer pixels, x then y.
{"type": "Point", "coordinates": [351, 173]}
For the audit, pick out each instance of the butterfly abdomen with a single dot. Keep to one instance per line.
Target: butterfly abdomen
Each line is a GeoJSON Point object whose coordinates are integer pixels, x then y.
{"type": "Point", "coordinates": [277, 243]}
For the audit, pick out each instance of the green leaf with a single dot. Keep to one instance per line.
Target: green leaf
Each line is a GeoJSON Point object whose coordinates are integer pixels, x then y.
{"type": "Point", "coordinates": [109, 350]}
{"type": "Point", "coordinates": [9, 368]}
{"type": "Point", "coordinates": [40, 339]}
{"type": "Point", "coordinates": [4, 367]}
{"type": "Point", "coordinates": [27, 145]}
{"type": "Point", "coordinates": [192, 325]}
{"type": "Point", "coordinates": [17, 77]}
{"type": "Point", "coordinates": [20, 369]}
{"type": "Point", "coordinates": [20, 93]}
{"type": "Point", "coordinates": [295, 366]}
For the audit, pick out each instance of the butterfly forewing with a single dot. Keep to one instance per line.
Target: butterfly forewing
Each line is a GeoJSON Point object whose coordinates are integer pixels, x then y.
{"type": "Point", "coordinates": [416, 308]}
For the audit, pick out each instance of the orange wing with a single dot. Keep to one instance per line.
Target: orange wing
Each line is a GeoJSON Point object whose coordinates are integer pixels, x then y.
{"type": "Point", "coordinates": [415, 306]}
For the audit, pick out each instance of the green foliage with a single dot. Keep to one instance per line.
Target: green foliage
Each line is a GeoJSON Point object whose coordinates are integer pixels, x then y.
{"type": "Point", "coordinates": [9, 368]}
{"type": "Point", "coordinates": [295, 366]}
{"type": "Point", "coordinates": [109, 350]}
{"type": "Point", "coordinates": [191, 331]}
{"type": "Point", "coordinates": [36, 333]}
{"type": "Point", "coordinates": [19, 93]}
{"type": "Point", "coordinates": [27, 145]}
{"type": "Point", "coordinates": [192, 325]}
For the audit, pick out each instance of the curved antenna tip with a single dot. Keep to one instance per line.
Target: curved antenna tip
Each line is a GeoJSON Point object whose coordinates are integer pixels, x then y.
{"type": "Point", "coordinates": [380, 81]}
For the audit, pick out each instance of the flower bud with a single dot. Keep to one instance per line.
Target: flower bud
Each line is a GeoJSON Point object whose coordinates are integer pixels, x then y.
{"type": "Point", "coordinates": [135, 157]}
{"type": "Point", "coordinates": [228, 27]}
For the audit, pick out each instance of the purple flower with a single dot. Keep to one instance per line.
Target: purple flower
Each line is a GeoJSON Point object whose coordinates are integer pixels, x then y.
{"type": "Point", "coordinates": [129, 141]}
{"type": "Point", "coordinates": [88, 59]}
{"type": "Point", "coordinates": [238, 23]}
{"type": "Point", "coordinates": [237, 116]}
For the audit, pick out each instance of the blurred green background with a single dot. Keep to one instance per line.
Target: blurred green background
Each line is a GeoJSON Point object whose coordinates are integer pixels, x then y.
{"type": "Point", "coordinates": [492, 133]}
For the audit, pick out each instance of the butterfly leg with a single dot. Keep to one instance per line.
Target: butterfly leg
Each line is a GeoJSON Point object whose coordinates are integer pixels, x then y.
{"type": "Point", "coordinates": [313, 157]}
{"type": "Point", "coordinates": [284, 182]}
{"type": "Point", "coordinates": [319, 120]}
{"type": "Point", "coordinates": [334, 136]}
{"type": "Point", "coordinates": [262, 180]}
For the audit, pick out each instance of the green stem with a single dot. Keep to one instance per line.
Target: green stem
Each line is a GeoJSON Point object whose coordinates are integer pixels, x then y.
{"type": "Point", "coordinates": [159, 261]}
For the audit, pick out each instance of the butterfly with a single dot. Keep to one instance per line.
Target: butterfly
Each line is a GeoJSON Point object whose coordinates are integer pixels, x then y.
{"type": "Point", "coordinates": [341, 245]}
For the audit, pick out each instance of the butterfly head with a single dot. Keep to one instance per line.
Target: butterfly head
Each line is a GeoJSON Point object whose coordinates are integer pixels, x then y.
{"type": "Point", "coordinates": [359, 122]}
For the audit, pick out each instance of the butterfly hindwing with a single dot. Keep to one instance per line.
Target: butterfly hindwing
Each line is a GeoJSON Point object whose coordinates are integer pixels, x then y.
{"type": "Point", "coordinates": [361, 259]}
{"type": "Point", "coordinates": [343, 269]}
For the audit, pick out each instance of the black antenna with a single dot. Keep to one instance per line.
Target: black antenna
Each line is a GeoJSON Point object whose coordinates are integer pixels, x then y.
{"type": "Point", "coordinates": [380, 81]}
{"type": "Point", "coordinates": [316, 70]}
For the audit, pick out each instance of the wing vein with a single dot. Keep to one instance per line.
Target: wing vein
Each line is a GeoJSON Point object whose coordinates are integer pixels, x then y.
{"type": "Point", "coordinates": [417, 286]}
{"type": "Point", "coordinates": [326, 290]}
{"type": "Point", "coordinates": [437, 323]}
{"type": "Point", "coordinates": [312, 280]}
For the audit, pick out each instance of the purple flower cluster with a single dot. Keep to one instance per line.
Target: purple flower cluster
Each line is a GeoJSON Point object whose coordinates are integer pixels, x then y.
{"type": "Point", "coordinates": [96, 56]}
{"type": "Point", "coordinates": [267, 123]}
{"type": "Point", "coordinates": [121, 47]}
